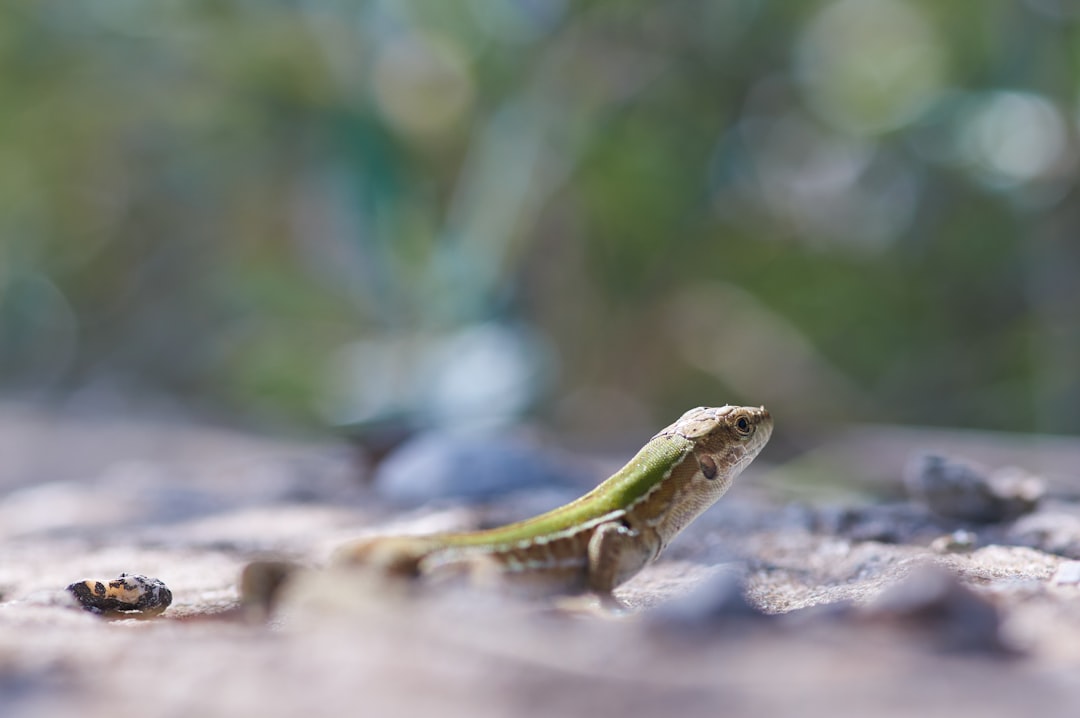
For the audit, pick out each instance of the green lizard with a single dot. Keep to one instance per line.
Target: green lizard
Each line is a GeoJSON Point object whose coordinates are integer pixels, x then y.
{"type": "Point", "coordinates": [605, 537]}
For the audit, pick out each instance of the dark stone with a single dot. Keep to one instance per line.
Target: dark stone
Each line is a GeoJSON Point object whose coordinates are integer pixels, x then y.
{"type": "Point", "coordinates": [892, 523]}
{"type": "Point", "coordinates": [963, 490]}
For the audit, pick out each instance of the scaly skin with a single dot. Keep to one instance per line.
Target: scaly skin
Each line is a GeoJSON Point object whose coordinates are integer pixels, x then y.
{"type": "Point", "coordinates": [605, 537]}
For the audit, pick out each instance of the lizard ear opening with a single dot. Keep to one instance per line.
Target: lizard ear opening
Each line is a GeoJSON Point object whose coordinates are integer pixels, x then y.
{"type": "Point", "coordinates": [708, 467]}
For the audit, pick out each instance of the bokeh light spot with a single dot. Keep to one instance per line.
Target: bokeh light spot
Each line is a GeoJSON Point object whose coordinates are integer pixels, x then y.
{"type": "Point", "coordinates": [1013, 137]}
{"type": "Point", "coordinates": [422, 84]}
{"type": "Point", "coordinates": [869, 66]}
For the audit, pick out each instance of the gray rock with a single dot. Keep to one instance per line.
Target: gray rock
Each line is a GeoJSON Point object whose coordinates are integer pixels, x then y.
{"type": "Point", "coordinates": [896, 522]}
{"type": "Point", "coordinates": [1055, 529]}
{"type": "Point", "coordinates": [445, 465]}
{"type": "Point", "coordinates": [963, 490]}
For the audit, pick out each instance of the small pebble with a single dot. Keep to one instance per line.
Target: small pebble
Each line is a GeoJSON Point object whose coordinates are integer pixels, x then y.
{"type": "Point", "coordinates": [128, 593]}
{"type": "Point", "coordinates": [261, 584]}
{"type": "Point", "coordinates": [1067, 574]}
{"type": "Point", "coordinates": [959, 541]}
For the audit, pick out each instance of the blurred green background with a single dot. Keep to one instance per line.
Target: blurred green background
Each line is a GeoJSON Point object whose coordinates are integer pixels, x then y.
{"type": "Point", "coordinates": [348, 213]}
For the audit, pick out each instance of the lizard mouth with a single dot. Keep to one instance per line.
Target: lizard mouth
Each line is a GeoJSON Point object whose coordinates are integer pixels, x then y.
{"type": "Point", "coordinates": [764, 421]}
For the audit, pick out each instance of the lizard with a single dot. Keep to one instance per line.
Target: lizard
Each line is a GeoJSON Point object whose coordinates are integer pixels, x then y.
{"type": "Point", "coordinates": [604, 538]}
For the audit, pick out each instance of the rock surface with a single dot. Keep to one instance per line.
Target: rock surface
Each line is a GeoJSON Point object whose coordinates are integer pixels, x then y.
{"type": "Point", "coordinates": [763, 607]}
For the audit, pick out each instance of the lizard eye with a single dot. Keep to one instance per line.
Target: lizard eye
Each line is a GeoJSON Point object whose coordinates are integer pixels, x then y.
{"type": "Point", "coordinates": [743, 426]}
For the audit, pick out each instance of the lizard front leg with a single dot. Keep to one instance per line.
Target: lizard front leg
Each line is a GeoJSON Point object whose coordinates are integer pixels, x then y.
{"type": "Point", "coordinates": [616, 553]}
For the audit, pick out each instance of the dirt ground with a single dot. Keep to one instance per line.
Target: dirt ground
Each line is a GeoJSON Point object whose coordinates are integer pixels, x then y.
{"type": "Point", "coordinates": [849, 602]}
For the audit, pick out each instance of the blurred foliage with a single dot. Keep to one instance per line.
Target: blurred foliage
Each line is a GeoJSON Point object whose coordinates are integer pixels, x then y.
{"type": "Point", "coordinates": [345, 211]}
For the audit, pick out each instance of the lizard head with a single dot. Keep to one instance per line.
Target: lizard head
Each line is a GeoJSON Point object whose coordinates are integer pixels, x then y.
{"type": "Point", "coordinates": [725, 439]}
{"type": "Point", "coordinates": [722, 442]}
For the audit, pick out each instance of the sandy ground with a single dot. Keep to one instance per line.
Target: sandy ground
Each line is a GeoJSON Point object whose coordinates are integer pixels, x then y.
{"type": "Point", "coordinates": [765, 607]}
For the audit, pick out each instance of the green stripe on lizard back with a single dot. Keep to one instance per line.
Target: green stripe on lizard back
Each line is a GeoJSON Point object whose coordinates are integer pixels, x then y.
{"type": "Point", "coordinates": [647, 469]}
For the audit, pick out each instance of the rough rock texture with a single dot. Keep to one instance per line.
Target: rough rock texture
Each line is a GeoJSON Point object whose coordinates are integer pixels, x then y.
{"type": "Point", "coordinates": [764, 607]}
